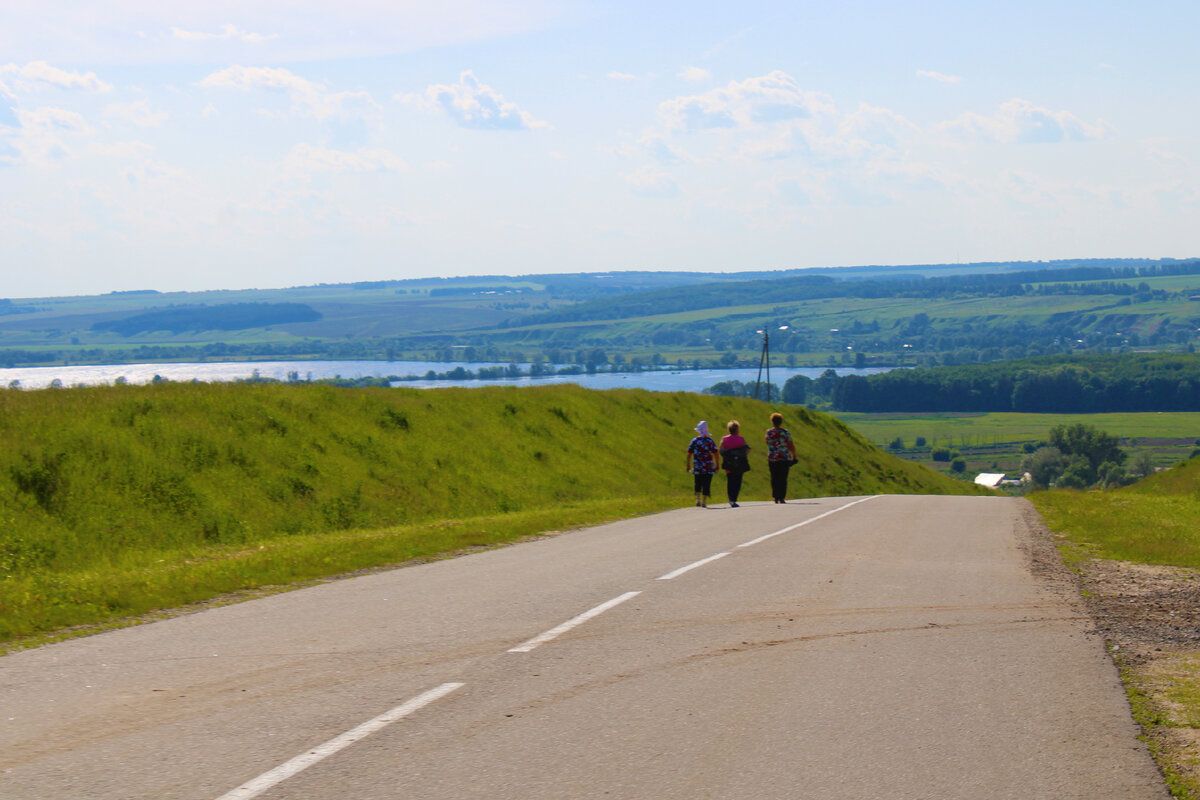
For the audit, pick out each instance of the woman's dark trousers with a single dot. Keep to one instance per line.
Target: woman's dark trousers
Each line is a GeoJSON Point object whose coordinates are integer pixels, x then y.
{"type": "Point", "coordinates": [733, 485]}
{"type": "Point", "coordinates": [779, 471]}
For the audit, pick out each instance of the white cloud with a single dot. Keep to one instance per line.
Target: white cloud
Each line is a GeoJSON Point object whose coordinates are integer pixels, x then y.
{"type": "Point", "coordinates": [650, 182]}
{"type": "Point", "coordinates": [775, 97]}
{"type": "Point", "coordinates": [120, 150]}
{"type": "Point", "coordinates": [621, 76]}
{"type": "Point", "coordinates": [136, 113]}
{"type": "Point", "coordinates": [694, 74]}
{"type": "Point", "coordinates": [140, 31]}
{"type": "Point", "coordinates": [39, 75]}
{"type": "Point", "coordinates": [878, 127]}
{"type": "Point", "coordinates": [474, 105]}
{"type": "Point", "coordinates": [1158, 150]}
{"type": "Point", "coordinates": [1020, 121]}
{"type": "Point", "coordinates": [308, 98]}
{"type": "Point", "coordinates": [54, 120]}
{"type": "Point", "coordinates": [793, 191]}
{"type": "Point", "coordinates": [939, 77]}
{"type": "Point", "coordinates": [227, 32]}
{"type": "Point", "coordinates": [41, 135]}
{"type": "Point", "coordinates": [663, 151]}
{"type": "Point", "coordinates": [8, 108]}
{"type": "Point", "coordinates": [307, 158]}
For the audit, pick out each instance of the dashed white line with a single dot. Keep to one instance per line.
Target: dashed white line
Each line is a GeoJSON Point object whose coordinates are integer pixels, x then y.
{"type": "Point", "coordinates": [542, 638]}
{"type": "Point", "coordinates": [681, 570]}
{"type": "Point", "coordinates": [807, 521]}
{"type": "Point", "coordinates": [267, 780]}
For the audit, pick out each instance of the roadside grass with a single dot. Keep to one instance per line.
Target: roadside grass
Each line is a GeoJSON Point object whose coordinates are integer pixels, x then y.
{"type": "Point", "coordinates": [118, 500]}
{"type": "Point", "coordinates": [1164, 696]}
{"type": "Point", "coordinates": [141, 582]}
{"type": "Point", "coordinates": [1150, 522]}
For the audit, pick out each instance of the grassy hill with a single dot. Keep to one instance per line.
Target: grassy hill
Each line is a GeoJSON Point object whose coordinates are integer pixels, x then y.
{"type": "Point", "coordinates": [119, 500]}
{"type": "Point", "coordinates": [1152, 521]}
{"type": "Point", "coordinates": [958, 313]}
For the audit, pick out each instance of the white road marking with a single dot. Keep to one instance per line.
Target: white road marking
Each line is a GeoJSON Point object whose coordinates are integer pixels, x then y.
{"type": "Point", "coordinates": [267, 780]}
{"type": "Point", "coordinates": [682, 570]}
{"type": "Point", "coordinates": [542, 638]}
{"type": "Point", "coordinates": [807, 521]}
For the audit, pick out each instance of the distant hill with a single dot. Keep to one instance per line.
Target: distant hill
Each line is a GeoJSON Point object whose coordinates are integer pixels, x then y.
{"type": "Point", "coordinates": [229, 317]}
{"type": "Point", "coordinates": [864, 316]}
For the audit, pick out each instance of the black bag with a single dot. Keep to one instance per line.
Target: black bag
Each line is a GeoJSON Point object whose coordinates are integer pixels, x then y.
{"type": "Point", "coordinates": [736, 459]}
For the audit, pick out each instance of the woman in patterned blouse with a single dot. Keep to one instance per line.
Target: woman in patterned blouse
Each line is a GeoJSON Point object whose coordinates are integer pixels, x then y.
{"type": "Point", "coordinates": [703, 460]}
{"type": "Point", "coordinates": [781, 454]}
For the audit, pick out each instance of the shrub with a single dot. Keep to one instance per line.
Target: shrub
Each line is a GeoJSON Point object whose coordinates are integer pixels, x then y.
{"type": "Point", "coordinates": [896, 444]}
{"type": "Point", "coordinates": [941, 454]}
{"type": "Point", "coordinates": [958, 466]}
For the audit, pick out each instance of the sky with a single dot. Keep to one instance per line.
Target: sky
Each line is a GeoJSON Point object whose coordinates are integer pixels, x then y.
{"type": "Point", "coordinates": [223, 144]}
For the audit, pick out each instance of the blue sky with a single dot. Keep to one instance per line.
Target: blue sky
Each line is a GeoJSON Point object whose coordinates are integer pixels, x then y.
{"type": "Point", "coordinates": [279, 143]}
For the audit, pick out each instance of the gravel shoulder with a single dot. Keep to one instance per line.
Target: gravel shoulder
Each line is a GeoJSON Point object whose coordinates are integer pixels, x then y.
{"type": "Point", "coordinates": [1149, 617]}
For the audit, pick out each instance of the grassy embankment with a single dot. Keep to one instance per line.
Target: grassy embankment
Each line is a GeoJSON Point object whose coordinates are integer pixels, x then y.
{"type": "Point", "coordinates": [1150, 522]}
{"type": "Point", "coordinates": [115, 501]}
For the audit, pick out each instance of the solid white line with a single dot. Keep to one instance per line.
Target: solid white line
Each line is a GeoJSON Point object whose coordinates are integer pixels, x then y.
{"type": "Point", "coordinates": [542, 638]}
{"type": "Point", "coordinates": [262, 783]}
{"type": "Point", "coordinates": [682, 570]}
{"type": "Point", "coordinates": [807, 521]}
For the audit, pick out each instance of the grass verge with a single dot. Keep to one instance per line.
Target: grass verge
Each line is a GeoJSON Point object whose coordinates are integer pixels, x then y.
{"type": "Point", "coordinates": [1137, 551]}
{"type": "Point", "coordinates": [69, 604]}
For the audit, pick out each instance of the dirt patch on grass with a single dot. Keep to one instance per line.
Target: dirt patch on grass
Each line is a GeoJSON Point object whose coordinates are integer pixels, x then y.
{"type": "Point", "coordinates": [1143, 609]}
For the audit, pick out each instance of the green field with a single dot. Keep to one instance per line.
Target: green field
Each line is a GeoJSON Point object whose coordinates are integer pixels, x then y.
{"type": "Point", "coordinates": [671, 317]}
{"type": "Point", "coordinates": [118, 500]}
{"type": "Point", "coordinates": [992, 442]}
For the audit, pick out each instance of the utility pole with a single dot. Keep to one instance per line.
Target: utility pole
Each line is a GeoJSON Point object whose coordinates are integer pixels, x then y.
{"type": "Point", "coordinates": [764, 359]}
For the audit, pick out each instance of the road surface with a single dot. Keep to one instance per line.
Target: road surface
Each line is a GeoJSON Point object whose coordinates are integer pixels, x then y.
{"type": "Point", "coordinates": [865, 647]}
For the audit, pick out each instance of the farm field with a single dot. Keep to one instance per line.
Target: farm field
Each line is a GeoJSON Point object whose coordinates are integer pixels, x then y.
{"type": "Point", "coordinates": [993, 442]}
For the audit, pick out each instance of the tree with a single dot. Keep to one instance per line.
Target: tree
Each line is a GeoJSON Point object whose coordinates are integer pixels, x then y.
{"type": "Point", "coordinates": [795, 389]}
{"type": "Point", "coordinates": [1078, 475]}
{"type": "Point", "coordinates": [1111, 474]}
{"type": "Point", "coordinates": [1141, 466]}
{"type": "Point", "coordinates": [896, 444]}
{"type": "Point", "coordinates": [1044, 465]}
{"type": "Point", "coordinates": [940, 454]}
{"type": "Point", "coordinates": [919, 441]}
{"type": "Point", "coordinates": [958, 466]}
{"type": "Point", "coordinates": [1094, 446]}
{"type": "Point", "coordinates": [823, 385]}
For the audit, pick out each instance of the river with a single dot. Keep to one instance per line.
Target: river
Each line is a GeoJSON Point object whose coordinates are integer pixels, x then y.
{"type": "Point", "coordinates": [662, 380]}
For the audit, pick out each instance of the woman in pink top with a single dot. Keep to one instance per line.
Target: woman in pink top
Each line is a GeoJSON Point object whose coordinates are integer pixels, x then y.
{"type": "Point", "coordinates": [735, 457]}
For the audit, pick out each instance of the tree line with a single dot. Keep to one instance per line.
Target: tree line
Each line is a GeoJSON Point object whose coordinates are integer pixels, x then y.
{"type": "Point", "coordinates": [1057, 384]}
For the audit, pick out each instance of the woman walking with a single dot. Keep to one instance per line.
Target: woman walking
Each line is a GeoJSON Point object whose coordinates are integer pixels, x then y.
{"type": "Point", "coordinates": [781, 454]}
{"type": "Point", "coordinates": [735, 455]}
{"type": "Point", "coordinates": [702, 461]}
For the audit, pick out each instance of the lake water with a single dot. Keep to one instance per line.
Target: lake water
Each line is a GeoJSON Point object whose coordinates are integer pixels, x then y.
{"type": "Point", "coordinates": [685, 380]}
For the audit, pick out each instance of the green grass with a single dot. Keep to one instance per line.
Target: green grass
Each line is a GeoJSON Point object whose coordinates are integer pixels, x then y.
{"type": "Point", "coordinates": [996, 438]}
{"type": "Point", "coordinates": [118, 500]}
{"type": "Point", "coordinates": [1151, 522]}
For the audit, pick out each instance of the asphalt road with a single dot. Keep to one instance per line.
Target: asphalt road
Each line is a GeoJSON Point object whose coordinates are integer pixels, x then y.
{"type": "Point", "coordinates": [886, 647]}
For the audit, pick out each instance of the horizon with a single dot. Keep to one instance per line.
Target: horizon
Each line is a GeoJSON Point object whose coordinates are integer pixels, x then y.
{"type": "Point", "coordinates": [190, 149]}
{"type": "Point", "coordinates": [1048, 264]}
